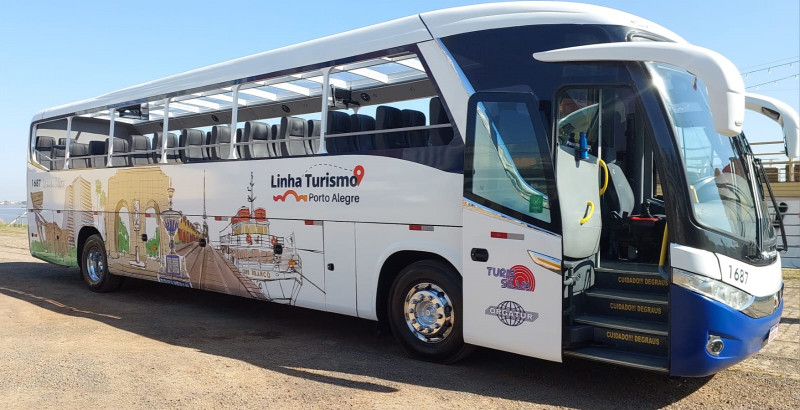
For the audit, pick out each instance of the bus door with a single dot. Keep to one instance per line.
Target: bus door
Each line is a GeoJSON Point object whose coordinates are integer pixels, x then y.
{"type": "Point", "coordinates": [511, 246]}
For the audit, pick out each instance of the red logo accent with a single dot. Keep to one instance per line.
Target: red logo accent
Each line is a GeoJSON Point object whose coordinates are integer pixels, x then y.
{"type": "Point", "coordinates": [283, 197]}
{"type": "Point", "coordinates": [522, 278]}
{"type": "Point", "coordinates": [358, 171]}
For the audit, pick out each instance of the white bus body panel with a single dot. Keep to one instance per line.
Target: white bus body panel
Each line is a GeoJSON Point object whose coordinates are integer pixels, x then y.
{"type": "Point", "coordinates": [758, 281]}
{"type": "Point", "coordinates": [358, 224]}
{"type": "Point", "coordinates": [375, 243]}
{"type": "Point", "coordinates": [340, 267]}
{"type": "Point", "coordinates": [526, 319]}
{"type": "Point", "coordinates": [478, 17]}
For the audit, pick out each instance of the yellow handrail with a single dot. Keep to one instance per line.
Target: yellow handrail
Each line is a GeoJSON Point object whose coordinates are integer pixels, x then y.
{"type": "Point", "coordinates": [605, 176]}
{"type": "Point", "coordinates": [664, 242]}
{"type": "Point", "coordinates": [586, 218]}
{"type": "Point", "coordinates": [694, 193]}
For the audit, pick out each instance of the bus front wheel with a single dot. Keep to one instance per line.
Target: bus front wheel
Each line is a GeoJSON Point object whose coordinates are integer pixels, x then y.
{"type": "Point", "coordinates": [94, 266]}
{"type": "Point", "coordinates": [425, 308]}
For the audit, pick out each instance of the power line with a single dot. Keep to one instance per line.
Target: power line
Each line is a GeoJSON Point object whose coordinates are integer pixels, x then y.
{"type": "Point", "coordinates": [768, 69]}
{"type": "Point", "coordinates": [771, 62]}
{"type": "Point", "coordinates": [774, 81]}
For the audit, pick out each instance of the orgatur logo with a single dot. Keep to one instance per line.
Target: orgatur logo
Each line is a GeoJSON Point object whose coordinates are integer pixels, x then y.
{"type": "Point", "coordinates": [335, 177]}
{"type": "Point", "coordinates": [511, 313]}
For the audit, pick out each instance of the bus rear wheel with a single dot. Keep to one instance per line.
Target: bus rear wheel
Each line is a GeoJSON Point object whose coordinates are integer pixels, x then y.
{"type": "Point", "coordinates": [424, 312]}
{"type": "Point", "coordinates": [94, 266]}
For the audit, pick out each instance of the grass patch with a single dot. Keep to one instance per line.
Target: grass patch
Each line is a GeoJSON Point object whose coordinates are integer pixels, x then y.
{"type": "Point", "coordinates": [791, 274]}
{"type": "Point", "coordinates": [14, 229]}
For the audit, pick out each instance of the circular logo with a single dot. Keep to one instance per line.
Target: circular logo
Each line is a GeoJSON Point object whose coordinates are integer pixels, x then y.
{"type": "Point", "coordinates": [523, 278]}
{"type": "Point", "coordinates": [510, 313]}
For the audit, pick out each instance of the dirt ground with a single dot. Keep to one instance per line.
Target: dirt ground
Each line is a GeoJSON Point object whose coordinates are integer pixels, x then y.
{"type": "Point", "coordinates": [152, 345]}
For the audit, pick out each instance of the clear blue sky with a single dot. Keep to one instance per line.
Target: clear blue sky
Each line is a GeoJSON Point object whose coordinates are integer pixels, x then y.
{"type": "Point", "coordinates": [58, 52]}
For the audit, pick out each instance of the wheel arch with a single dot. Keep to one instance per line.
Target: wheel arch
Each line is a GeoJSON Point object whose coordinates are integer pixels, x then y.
{"type": "Point", "coordinates": [392, 266]}
{"type": "Point", "coordinates": [84, 234]}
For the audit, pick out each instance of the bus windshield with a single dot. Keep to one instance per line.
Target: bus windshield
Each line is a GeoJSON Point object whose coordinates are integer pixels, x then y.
{"type": "Point", "coordinates": [720, 175]}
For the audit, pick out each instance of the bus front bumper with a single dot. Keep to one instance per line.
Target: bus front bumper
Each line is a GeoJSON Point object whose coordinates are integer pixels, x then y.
{"type": "Point", "coordinates": [694, 319]}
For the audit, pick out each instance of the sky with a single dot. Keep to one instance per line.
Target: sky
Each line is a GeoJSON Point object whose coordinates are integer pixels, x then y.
{"type": "Point", "coordinates": [54, 53]}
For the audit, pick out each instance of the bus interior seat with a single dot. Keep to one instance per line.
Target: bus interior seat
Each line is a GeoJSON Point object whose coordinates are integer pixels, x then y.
{"type": "Point", "coordinates": [79, 155]}
{"type": "Point", "coordinates": [619, 195]}
{"type": "Point", "coordinates": [209, 150]}
{"type": "Point", "coordinates": [361, 122]}
{"type": "Point", "coordinates": [240, 150]}
{"type": "Point", "coordinates": [156, 143]}
{"type": "Point", "coordinates": [439, 136]}
{"type": "Point", "coordinates": [339, 123]}
{"type": "Point", "coordinates": [413, 118]}
{"type": "Point", "coordinates": [172, 142]}
{"type": "Point", "coordinates": [97, 149]}
{"type": "Point", "coordinates": [191, 142]}
{"type": "Point", "coordinates": [57, 154]}
{"type": "Point", "coordinates": [293, 129]}
{"type": "Point", "coordinates": [314, 128]}
{"type": "Point", "coordinates": [44, 146]}
{"type": "Point", "coordinates": [630, 237]}
{"type": "Point", "coordinates": [278, 148]}
{"type": "Point", "coordinates": [221, 138]}
{"type": "Point", "coordinates": [140, 145]}
{"type": "Point", "coordinates": [258, 134]}
{"type": "Point", "coordinates": [121, 146]}
{"type": "Point", "coordinates": [387, 117]}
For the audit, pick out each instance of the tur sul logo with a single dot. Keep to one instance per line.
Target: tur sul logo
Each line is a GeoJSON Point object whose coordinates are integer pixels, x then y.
{"type": "Point", "coordinates": [517, 277]}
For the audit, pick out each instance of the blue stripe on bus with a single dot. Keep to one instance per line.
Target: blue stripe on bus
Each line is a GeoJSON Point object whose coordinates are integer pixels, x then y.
{"type": "Point", "coordinates": [694, 317]}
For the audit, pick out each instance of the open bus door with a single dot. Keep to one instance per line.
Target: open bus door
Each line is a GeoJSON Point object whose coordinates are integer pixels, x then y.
{"type": "Point", "coordinates": [511, 246]}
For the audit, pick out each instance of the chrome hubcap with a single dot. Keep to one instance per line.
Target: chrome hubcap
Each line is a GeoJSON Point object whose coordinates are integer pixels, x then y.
{"type": "Point", "coordinates": [94, 265]}
{"type": "Point", "coordinates": [429, 313]}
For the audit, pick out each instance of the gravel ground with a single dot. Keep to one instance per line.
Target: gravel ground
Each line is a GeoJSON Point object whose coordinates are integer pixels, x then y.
{"type": "Point", "coordinates": [151, 345]}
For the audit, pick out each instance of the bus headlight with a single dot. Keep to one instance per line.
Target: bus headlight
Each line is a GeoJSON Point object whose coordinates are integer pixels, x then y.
{"type": "Point", "coordinates": [713, 289]}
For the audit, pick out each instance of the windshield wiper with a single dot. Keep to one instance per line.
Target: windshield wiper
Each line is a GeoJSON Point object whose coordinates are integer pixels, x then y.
{"type": "Point", "coordinates": [779, 217]}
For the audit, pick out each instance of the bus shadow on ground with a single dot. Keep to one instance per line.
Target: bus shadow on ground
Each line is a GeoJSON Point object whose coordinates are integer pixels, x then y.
{"type": "Point", "coordinates": [330, 348]}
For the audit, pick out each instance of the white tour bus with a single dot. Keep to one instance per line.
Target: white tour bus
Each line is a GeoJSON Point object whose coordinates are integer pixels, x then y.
{"type": "Point", "coordinates": [497, 175]}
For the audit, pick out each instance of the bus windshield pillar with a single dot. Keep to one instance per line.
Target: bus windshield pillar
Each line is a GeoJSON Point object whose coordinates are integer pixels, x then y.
{"type": "Point", "coordinates": [234, 121]}
{"type": "Point", "coordinates": [165, 133]}
{"type": "Point", "coordinates": [112, 115]}
{"type": "Point", "coordinates": [326, 77]}
{"type": "Point", "coordinates": [66, 147]}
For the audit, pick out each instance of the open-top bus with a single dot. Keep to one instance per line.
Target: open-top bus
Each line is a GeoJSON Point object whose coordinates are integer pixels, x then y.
{"type": "Point", "coordinates": [548, 179]}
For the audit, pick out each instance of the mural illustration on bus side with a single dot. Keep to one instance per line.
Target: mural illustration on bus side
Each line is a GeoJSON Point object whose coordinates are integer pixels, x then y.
{"type": "Point", "coordinates": [146, 236]}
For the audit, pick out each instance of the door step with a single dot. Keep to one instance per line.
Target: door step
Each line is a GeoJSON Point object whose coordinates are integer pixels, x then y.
{"type": "Point", "coordinates": [629, 325]}
{"type": "Point", "coordinates": [622, 358]}
{"type": "Point", "coordinates": [639, 281]}
{"type": "Point", "coordinates": [634, 305]}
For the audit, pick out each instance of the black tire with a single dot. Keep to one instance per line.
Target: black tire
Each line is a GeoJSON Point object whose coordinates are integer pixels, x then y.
{"type": "Point", "coordinates": [94, 266]}
{"type": "Point", "coordinates": [445, 343]}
